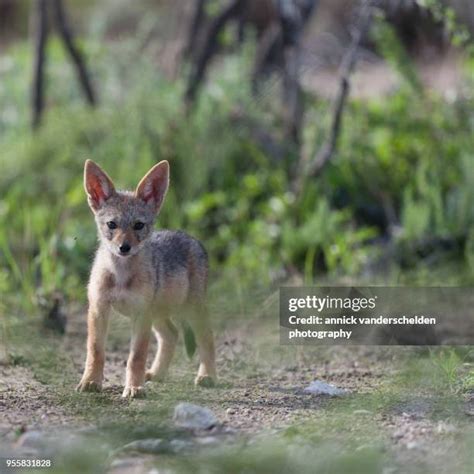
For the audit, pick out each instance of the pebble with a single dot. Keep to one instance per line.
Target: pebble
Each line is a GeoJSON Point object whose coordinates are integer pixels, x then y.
{"type": "Point", "coordinates": [123, 463]}
{"type": "Point", "coordinates": [31, 439]}
{"type": "Point", "coordinates": [207, 440]}
{"type": "Point", "coordinates": [399, 434]}
{"type": "Point", "coordinates": [152, 446]}
{"type": "Point", "coordinates": [48, 443]}
{"type": "Point", "coordinates": [188, 415]}
{"type": "Point", "coordinates": [318, 387]}
{"type": "Point", "coordinates": [413, 445]}
{"type": "Point", "coordinates": [158, 446]}
{"type": "Point", "coordinates": [445, 427]}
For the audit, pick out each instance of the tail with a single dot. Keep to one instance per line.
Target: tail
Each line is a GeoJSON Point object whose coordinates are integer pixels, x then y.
{"type": "Point", "coordinates": [189, 339]}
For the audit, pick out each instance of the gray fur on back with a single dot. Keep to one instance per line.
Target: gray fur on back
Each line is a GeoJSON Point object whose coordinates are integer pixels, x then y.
{"type": "Point", "coordinates": [173, 251]}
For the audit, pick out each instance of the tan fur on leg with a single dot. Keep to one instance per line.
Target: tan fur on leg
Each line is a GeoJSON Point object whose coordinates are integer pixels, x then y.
{"type": "Point", "coordinates": [135, 375]}
{"type": "Point", "coordinates": [206, 375]}
{"type": "Point", "coordinates": [97, 322]}
{"type": "Point", "coordinates": [167, 337]}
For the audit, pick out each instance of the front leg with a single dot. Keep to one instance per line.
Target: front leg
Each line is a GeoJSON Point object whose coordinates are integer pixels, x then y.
{"type": "Point", "coordinates": [135, 375]}
{"type": "Point", "coordinates": [97, 322]}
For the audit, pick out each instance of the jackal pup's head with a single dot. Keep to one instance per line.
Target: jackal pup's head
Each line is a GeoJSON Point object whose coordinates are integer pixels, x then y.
{"type": "Point", "coordinates": [125, 219]}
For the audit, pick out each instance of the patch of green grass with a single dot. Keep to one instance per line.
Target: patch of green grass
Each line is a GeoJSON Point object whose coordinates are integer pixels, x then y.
{"type": "Point", "coordinates": [227, 187]}
{"type": "Point", "coordinates": [467, 381]}
{"type": "Point", "coordinates": [439, 371]}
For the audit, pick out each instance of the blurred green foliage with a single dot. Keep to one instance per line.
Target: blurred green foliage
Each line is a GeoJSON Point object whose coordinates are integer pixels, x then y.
{"type": "Point", "coordinates": [403, 172]}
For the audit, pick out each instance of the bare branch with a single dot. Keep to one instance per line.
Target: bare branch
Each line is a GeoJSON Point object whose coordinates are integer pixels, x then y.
{"type": "Point", "coordinates": [196, 22]}
{"type": "Point", "coordinates": [76, 56]}
{"type": "Point", "coordinates": [40, 17]}
{"type": "Point", "coordinates": [292, 94]}
{"type": "Point", "coordinates": [271, 38]}
{"type": "Point", "coordinates": [326, 152]}
{"type": "Point", "coordinates": [210, 47]}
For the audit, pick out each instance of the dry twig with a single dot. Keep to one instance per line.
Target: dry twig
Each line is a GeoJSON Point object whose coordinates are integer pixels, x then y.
{"type": "Point", "coordinates": [326, 152]}
{"type": "Point", "coordinates": [40, 40]}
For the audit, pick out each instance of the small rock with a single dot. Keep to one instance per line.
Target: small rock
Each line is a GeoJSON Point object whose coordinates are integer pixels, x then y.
{"type": "Point", "coordinates": [413, 445]}
{"type": "Point", "coordinates": [47, 442]}
{"type": "Point", "coordinates": [127, 466]}
{"type": "Point", "coordinates": [318, 387]}
{"type": "Point", "coordinates": [207, 440]}
{"type": "Point", "coordinates": [226, 430]}
{"type": "Point", "coordinates": [444, 427]}
{"type": "Point", "coordinates": [180, 445]}
{"type": "Point", "coordinates": [188, 415]}
{"type": "Point", "coordinates": [150, 446]}
{"type": "Point", "coordinates": [87, 430]}
{"type": "Point", "coordinates": [123, 463]}
{"type": "Point", "coordinates": [31, 439]}
{"type": "Point", "coordinates": [399, 434]}
{"type": "Point", "coordinates": [230, 411]}
{"type": "Point", "coordinates": [4, 430]}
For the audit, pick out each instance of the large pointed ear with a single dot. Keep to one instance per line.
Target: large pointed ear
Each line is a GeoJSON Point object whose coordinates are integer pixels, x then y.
{"type": "Point", "coordinates": [98, 185]}
{"type": "Point", "coordinates": [153, 186]}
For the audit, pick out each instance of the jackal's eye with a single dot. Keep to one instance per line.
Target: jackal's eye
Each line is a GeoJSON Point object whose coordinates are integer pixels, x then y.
{"type": "Point", "coordinates": [111, 225]}
{"type": "Point", "coordinates": [138, 225]}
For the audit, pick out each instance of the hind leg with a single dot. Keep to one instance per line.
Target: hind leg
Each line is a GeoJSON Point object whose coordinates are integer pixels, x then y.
{"type": "Point", "coordinates": [206, 376]}
{"type": "Point", "coordinates": [167, 337]}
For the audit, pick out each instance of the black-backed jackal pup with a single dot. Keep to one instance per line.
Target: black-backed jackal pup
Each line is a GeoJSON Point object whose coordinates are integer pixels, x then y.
{"type": "Point", "coordinates": [146, 275]}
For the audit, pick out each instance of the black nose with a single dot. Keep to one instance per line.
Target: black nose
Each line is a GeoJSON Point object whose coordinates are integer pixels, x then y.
{"type": "Point", "coordinates": [125, 248]}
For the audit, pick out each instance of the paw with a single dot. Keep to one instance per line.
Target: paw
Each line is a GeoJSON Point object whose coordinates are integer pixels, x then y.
{"type": "Point", "coordinates": [89, 385]}
{"type": "Point", "coordinates": [153, 377]}
{"type": "Point", "coordinates": [132, 391]}
{"type": "Point", "coordinates": [205, 381]}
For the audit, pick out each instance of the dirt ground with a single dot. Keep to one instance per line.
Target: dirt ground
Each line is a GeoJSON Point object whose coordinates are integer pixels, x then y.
{"type": "Point", "coordinates": [258, 402]}
{"type": "Point", "coordinates": [260, 393]}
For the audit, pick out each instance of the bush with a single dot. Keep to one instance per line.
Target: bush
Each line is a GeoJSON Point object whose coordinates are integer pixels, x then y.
{"type": "Point", "coordinates": [404, 163]}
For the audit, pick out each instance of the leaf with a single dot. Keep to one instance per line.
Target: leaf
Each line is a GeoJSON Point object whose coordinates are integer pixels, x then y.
{"type": "Point", "coordinates": [189, 339]}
